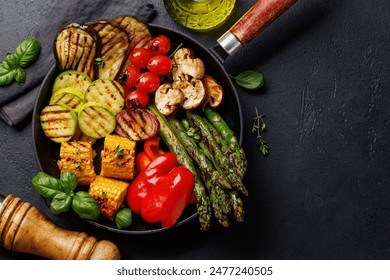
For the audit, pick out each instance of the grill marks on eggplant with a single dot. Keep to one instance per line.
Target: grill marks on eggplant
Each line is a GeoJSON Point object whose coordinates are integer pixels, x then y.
{"type": "Point", "coordinates": [76, 47]}
{"type": "Point", "coordinates": [138, 32]}
{"type": "Point", "coordinates": [114, 49]}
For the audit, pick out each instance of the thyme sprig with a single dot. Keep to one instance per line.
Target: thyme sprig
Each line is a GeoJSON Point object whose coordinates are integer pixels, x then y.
{"type": "Point", "coordinates": [258, 128]}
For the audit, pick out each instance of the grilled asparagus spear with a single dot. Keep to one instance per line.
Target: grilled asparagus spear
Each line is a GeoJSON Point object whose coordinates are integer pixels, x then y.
{"type": "Point", "coordinates": [227, 168]}
{"type": "Point", "coordinates": [175, 146]}
{"type": "Point", "coordinates": [219, 199]}
{"type": "Point", "coordinates": [221, 126]}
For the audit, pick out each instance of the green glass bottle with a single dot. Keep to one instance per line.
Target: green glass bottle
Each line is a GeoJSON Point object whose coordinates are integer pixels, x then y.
{"type": "Point", "coordinates": [200, 15]}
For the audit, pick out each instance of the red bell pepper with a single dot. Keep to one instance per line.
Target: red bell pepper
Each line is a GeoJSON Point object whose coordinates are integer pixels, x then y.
{"type": "Point", "coordinates": [150, 152]}
{"type": "Point", "coordinates": [161, 191]}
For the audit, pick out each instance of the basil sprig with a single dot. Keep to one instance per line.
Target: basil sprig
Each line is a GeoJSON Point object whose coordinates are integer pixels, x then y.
{"type": "Point", "coordinates": [61, 191]}
{"type": "Point", "coordinates": [13, 67]}
{"type": "Point", "coordinates": [123, 218]}
{"type": "Point", "coordinates": [249, 79]}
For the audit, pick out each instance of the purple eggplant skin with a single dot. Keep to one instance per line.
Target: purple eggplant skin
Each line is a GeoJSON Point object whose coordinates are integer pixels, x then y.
{"type": "Point", "coordinates": [115, 44]}
{"type": "Point", "coordinates": [75, 47]}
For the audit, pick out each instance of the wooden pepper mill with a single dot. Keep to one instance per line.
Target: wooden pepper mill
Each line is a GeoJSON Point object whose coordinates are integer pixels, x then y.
{"type": "Point", "coordinates": [24, 229]}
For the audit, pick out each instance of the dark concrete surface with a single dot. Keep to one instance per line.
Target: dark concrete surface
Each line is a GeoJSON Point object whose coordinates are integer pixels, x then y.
{"type": "Point", "coordinates": [323, 192]}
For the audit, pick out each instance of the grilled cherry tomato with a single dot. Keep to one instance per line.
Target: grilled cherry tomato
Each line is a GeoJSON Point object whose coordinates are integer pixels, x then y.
{"type": "Point", "coordinates": [159, 45]}
{"type": "Point", "coordinates": [139, 57]}
{"type": "Point", "coordinates": [147, 82]}
{"type": "Point", "coordinates": [136, 99]}
{"type": "Point", "coordinates": [160, 65]}
{"type": "Point", "coordinates": [132, 73]}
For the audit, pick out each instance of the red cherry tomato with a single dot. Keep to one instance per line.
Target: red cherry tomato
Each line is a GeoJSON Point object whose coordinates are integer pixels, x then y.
{"type": "Point", "coordinates": [147, 82]}
{"type": "Point", "coordinates": [131, 75]}
{"type": "Point", "coordinates": [160, 65]}
{"type": "Point", "coordinates": [159, 45]}
{"type": "Point", "coordinates": [139, 57]}
{"type": "Point", "coordinates": [136, 99]}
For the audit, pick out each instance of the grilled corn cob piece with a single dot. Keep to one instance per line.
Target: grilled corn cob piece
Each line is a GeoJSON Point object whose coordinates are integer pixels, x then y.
{"type": "Point", "coordinates": [118, 157]}
{"type": "Point", "coordinates": [77, 156]}
{"type": "Point", "coordinates": [109, 194]}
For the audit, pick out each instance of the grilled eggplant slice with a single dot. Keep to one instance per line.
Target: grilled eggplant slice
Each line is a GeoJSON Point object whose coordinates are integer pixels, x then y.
{"type": "Point", "coordinates": [76, 47]}
{"type": "Point", "coordinates": [115, 44]}
{"type": "Point", "coordinates": [96, 120]}
{"type": "Point", "coordinates": [59, 122]}
{"type": "Point", "coordinates": [72, 78]}
{"type": "Point", "coordinates": [107, 92]}
{"type": "Point", "coordinates": [138, 31]}
{"type": "Point", "coordinates": [139, 35]}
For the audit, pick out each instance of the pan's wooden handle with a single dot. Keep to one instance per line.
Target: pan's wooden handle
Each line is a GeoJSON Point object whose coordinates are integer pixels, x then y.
{"type": "Point", "coordinates": [262, 14]}
{"type": "Point", "coordinates": [24, 229]}
{"type": "Point", "coordinates": [251, 24]}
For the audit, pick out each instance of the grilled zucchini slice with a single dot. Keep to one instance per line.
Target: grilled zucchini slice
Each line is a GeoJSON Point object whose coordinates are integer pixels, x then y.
{"type": "Point", "coordinates": [115, 44]}
{"type": "Point", "coordinates": [107, 92]}
{"type": "Point", "coordinates": [59, 122]}
{"type": "Point", "coordinates": [96, 120]}
{"type": "Point", "coordinates": [72, 78]}
{"type": "Point", "coordinates": [76, 47]}
{"type": "Point", "coordinates": [68, 96]}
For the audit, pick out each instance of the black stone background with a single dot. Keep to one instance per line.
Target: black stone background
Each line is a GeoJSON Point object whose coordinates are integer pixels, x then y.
{"type": "Point", "coordinates": [323, 190]}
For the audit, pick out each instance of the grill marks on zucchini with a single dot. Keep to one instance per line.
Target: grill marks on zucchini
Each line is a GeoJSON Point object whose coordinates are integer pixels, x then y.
{"type": "Point", "coordinates": [72, 78]}
{"type": "Point", "coordinates": [96, 120]}
{"type": "Point", "coordinates": [114, 50]}
{"type": "Point", "coordinates": [58, 122]}
{"type": "Point", "coordinates": [107, 92]}
{"type": "Point", "coordinates": [75, 48]}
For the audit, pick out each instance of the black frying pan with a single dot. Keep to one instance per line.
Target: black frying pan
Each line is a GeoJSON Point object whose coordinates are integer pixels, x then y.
{"type": "Point", "coordinates": [264, 12]}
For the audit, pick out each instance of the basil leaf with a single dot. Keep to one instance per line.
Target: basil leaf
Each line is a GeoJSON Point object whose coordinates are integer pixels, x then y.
{"type": "Point", "coordinates": [27, 52]}
{"type": "Point", "coordinates": [85, 206]}
{"type": "Point", "coordinates": [12, 61]}
{"type": "Point", "coordinates": [249, 79]}
{"type": "Point", "coordinates": [46, 185]}
{"type": "Point", "coordinates": [68, 181]}
{"type": "Point", "coordinates": [123, 218]}
{"type": "Point", "coordinates": [20, 76]}
{"type": "Point", "coordinates": [7, 77]}
{"type": "Point", "coordinates": [4, 67]}
{"type": "Point", "coordinates": [61, 203]}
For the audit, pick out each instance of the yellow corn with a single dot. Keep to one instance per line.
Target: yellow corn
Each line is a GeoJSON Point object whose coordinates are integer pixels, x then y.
{"type": "Point", "coordinates": [109, 194]}
{"type": "Point", "coordinates": [118, 157]}
{"type": "Point", "coordinates": [77, 156]}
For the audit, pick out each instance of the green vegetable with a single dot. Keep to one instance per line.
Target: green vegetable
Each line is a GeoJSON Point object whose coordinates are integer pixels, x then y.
{"type": "Point", "coordinates": [46, 185]}
{"type": "Point", "coordinates": [85, 206]}
{"type": "Point", "coordinates": [249, 79]}
{"type": "Point", "coordinates": [12, 68]}
{"type": "Point", "coordinates": [61, 203]}
{"type": "Point", "coordinates": [123, 218]}
{"type": "Point", "coordinates": [20, 75]}
{"type": "Point", "coordinates": [68, 181]}
{"type": "Point", "coordinates": [258, 128]}
{"type": "Point", "coordinates": [27, 52]}
{"type": "Point", "coordinates": [63, 197]}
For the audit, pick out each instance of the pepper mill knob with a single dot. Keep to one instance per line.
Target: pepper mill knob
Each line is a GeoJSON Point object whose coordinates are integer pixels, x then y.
{"type": "Point", "coordinates": [24, 229]}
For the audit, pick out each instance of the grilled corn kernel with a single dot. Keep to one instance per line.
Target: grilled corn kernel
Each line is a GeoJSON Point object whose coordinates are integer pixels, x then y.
{"type": "Point", "coordinates": [118, 157]}
{"type": "Point", "coordinates": [109, 194]}
{"type": "Point", "coordinates": [77, 156]}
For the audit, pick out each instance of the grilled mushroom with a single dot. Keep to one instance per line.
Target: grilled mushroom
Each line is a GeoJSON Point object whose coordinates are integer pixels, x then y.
{"type": "Point", "coordinates": [194, 92]}
{"type": "Point", "coordinates": [188, 66]}
{"type": "Point", "coordinates": [214, 92]}
{"type": "Point", "coordinates": [168, 99]}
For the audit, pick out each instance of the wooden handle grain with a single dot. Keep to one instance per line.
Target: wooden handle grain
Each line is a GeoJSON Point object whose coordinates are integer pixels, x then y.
{"type": "Point", "coordinates": [262, 14]}
{"type": "Point", "coordinates": [24, 229]}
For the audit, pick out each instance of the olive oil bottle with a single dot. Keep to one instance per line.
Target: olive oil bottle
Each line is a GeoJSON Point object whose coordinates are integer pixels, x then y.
{"type": "Point", "coordinates": [200, 15]}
